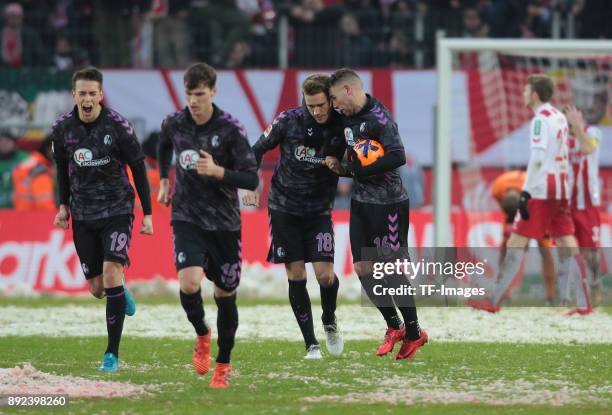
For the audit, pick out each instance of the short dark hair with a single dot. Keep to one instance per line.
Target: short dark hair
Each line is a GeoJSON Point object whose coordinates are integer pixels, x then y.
{"type": "Point", "coordinates": [542, 85]}
{"type": "Point", "coordinates": [343, 75]}
{"type": "Point", "coordinates": [200, 73]}
{"type": "Point", "coordinates": [87, 74]}
{"type": "Point", "coordinates": [315, 83]}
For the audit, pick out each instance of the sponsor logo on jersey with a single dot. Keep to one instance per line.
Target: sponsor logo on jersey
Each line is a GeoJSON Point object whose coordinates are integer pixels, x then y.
{"type": "Point", "coordinates": [268, 130]}
{"type": "Point", "coordinates": [309, 131]}
{"type": "Point", "coordinates": [348, 136]}
{"type": "Point", "coordinates": [188, 159]}
{"type": "Point", "coordinates": [215, 141]}
{"type": "Point", "coordinates": [537, 127]}
{"type": "Point", "coordinates": [307, 154]}
{"type": "Point", "coordinates": [362, 128]}
{"type": "Point", "coordinates": [181, 257]}
{"type": "Point", "coordinates": [108, 140]}
{"type": "Point", "coordinates": [84, 158]}
{"type": "Point", "coordinates": [85, 268]}
{"type": "Point", "coordinates": [280, 252]}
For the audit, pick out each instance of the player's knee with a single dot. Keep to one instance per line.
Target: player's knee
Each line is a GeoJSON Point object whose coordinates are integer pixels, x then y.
{"type": "Point", "coordinates": [591, 257]}
{"type": "Point", "coordinates": [297, 276]}
{"type": "Point", "coordinates": [326, 278]}
{"type": "Point", "coordinates": [361, 269]}
{"type": "Point", "coordinates": [220, 292]}
{"type": "Point", "coordinates": [97, 291]}
{"type": "Point", "coordinates": [295, 271]}
{"type": "Point", "coordinates": [189, 287]}
{"type": "Point", "coordinates": [111, 276]}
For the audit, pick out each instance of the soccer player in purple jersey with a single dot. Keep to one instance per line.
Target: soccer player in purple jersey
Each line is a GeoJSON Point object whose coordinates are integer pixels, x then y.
{"type": "Point", "coordinates": [92, 145]}
{"type": "Point", "coordinates": [300, 204]}
{"type": "Point", "coordinates": [379, 207]}
{"type": "Point", "coordinates": [214, 159]}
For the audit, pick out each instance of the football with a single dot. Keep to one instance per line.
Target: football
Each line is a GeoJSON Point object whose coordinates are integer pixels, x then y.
{"type": "Point", "coordinates": [368, 151]}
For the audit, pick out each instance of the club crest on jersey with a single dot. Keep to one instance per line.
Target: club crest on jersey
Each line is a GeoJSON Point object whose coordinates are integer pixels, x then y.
{"type": "Point", "coordinates": [188, 159]}
{"type": "Point", "coordinates": [108, 140]}
{"type": "Point", "coordinates": [84, 158]}
{"type": "Point", "coordinates": [348, 136]}
{"type": "Point", "coordinates": [215, 141]}
{"type": "Point", "coordinates": [307, 154]}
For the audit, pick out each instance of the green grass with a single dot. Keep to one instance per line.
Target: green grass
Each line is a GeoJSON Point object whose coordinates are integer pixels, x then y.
{"type": "Point", "coordinates": [273, 377]}
{"type": "Point", "coordinates": [84, 300]}
{"type": "Point", "coordinates": [51, 300]}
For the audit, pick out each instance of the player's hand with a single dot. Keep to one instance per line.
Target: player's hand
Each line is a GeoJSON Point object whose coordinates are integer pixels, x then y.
{"type": "Point", "coordinates": [334, 165]}
{"type": "Point", "coordinates": [61, 218]}
{"type": "Point", "coordinates": [206, 166]}
{"type": "Point", "coordinates": [251, 198]}
{"type": "Point", "coordinates": [525, 196]}
{"type": "Point", "coordinates": [574, 118]}
{"type": "Point", "coordinates": [147, 225]}
{"type": "Point", "coordinates": [163, 196]}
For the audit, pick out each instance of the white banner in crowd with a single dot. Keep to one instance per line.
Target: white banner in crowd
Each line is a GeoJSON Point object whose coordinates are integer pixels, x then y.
{"type": "Point", "coordinates": [256, 96]}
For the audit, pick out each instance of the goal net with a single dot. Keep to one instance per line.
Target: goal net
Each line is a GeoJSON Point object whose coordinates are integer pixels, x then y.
{"type": "Point", "coordinates": [487, 88]}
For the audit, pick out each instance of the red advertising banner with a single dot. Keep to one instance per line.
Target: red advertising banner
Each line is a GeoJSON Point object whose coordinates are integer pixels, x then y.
{"type": "Point", "coordinates": [35, 255]}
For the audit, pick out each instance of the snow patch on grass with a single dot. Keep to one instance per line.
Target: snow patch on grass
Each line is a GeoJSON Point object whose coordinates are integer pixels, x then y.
{"type": "Point", "coordinates": [27, 380]}
{"type": "Point", "coordinates": [276, 322]}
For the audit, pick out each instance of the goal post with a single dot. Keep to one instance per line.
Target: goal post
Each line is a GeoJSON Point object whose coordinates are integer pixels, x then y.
{"type": "Point", "coordinates": [446, 54]}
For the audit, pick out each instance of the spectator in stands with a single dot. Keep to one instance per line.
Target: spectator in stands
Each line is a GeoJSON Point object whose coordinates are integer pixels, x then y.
{"type": "Point", "coordinates": [401, 16]}
{"type": "Point", "coordinates": [538, 19]}
{"type": "Point", "coordinates": [400, 51]}
{"type": "Point", "coordinates": [33, 185]}
{"type": "Point", "coordinates": [227, 24]}
{"type": "Point", "coordinates": [10, 157]}
{"type": "Point", "coordinates": [261, 47]}
{"type": "Point", "coordinates": [314, 27]}
{"type": "Point", "coordinates": [113, 28]}
{"type": "Point", "coordinates": [80, 32]}
{"type": "Point", "coordinates": [593, 18]}
{"type": "Point", "coordinates": [21, 46]}
{"type": "Point", "coordinates": [473, 26]}
{"type": "Point", "coordinates": [352, 47]}
{"type": "Point", "coordinates": [505, 18]}
{"type": "Point", "coordinates": [171, 38]}
{"type": "Point", "coordinates": [369, 14]}
{"type": "Point", "coordinates": [239, 55]}
{"type": "Point", "coordinates": [62, 58]}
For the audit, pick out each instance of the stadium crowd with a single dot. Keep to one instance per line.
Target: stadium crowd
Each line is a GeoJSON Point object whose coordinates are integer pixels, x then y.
{"type": "Point", "coordinates": [67, 34]}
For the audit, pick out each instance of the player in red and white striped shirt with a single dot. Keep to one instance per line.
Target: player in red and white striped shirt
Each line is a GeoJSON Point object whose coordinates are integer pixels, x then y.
{"type": "Point", "coordinates": [544, 203]}
{"type": "Point", "coordinates": [585, 193]}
